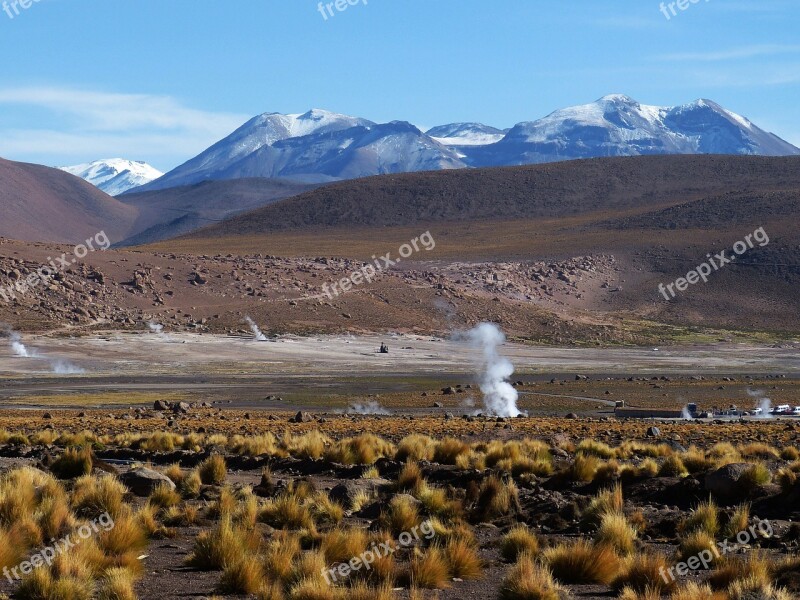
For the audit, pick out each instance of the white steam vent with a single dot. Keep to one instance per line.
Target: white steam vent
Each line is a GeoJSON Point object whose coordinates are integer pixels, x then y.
{"type": "Point", "coordinates": [499, 396]}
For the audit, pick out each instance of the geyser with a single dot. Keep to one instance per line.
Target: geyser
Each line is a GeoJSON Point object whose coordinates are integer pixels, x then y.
{"type": "Point", "coordinates": [499, 396]}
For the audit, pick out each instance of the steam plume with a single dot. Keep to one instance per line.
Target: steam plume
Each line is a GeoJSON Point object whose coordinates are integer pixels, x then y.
{"type": "Point", "coordinates": [259, 337]}
{"type": "Point", "coordinates": [499, 396]}
{"type": "Point", "coordinates": [370, 407]}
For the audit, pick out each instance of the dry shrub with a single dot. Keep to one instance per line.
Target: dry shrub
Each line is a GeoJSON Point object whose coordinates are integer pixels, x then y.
{"type": "Point", "coordinates": [190, 488]}
{"type": "Point", "coordinates": [756, 475]}
{"type": "Point", "coordinates": [415, 447]}
{"type": "Point", "coordinates": [447, 451]}
{"type": "Point", "coordinates": [584, 468]}
{"type": "Point", "coordinates": [729, 569]}
{"type": "Point", "coordinates": [696, 543]}
{"type": "Point", "coordinates": [364, 449]}
{"type": "Point", "coordinates": [280, 554]}
{"type": "Point", "coordinates": [93, 496]}
{"type": "Point", "coordinates": [74, 462]}
{"type": "Point", "coordinates": [704, 518]}
{"type": "Point", "coordinates": [696, 591]}
{"type": "Point", "coordinates": [642, 572]}
{"type": "Point", "coordinates": [116, 584]}
{"type": "Point", "coordinates": [175, 473]}
{"type": "Point", "coordinates": [527, 580]}
{"type": "Point", "coordinates": [213, 470]}
{"type": "Point", "coordinates": [243, 576]}
{"type": "Point", "coordinates": [340, 545]}
{"type": "Point", "coordinates": [164, 496]}
{"type": "Point", "coordinates": [608, 501]}
{"type": "Point", "coordinates": [582, 563]}
{"type": "Point", "coordinates": [362, 591]}
{"type": "Point", "coordinates": [616, 532]}
{"type": "Point", "coordinates": [519, 540]}
{"type": "Point", "coordinates": [310, 445]}
{"type": "Point", "coordinates": [429, 570]}
{"type": "Point", "coordinates": [596, 448]}
{"type": "Point", "coordinates": [496, 499]}
{"type": "Point", "coordinates": [760, 451]}
{"type": "Point", "coordinates": [463, 560]}
{"type": "Point", "coordinates": [287, 511]}
{"type": "Point", "coordinates": [673, 466]}
{"type": "Point", "coordinates": [402, 515]}
{"type": "Point", "coordinates": [222, 546]}
{"type": "Point", "coordinates": [410, 478]}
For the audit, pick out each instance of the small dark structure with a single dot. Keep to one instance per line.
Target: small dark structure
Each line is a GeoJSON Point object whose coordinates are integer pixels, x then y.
{"type": "Point", "coordinates": [384, 349]}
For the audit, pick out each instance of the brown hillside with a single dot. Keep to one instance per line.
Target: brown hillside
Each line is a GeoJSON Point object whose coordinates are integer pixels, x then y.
{"type": "Point", "coordinates": [38, 203]}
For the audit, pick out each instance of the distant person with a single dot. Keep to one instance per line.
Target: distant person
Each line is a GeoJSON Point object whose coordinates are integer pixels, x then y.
{"type": "Point", "coordinates": [384, 349]}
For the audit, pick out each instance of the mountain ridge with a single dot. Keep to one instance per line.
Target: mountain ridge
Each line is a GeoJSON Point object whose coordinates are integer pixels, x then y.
{"type": "Point", "coordinates": [321, 146]}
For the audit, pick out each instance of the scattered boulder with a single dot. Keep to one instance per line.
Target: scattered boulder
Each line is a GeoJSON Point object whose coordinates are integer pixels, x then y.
{"type": "Point", "coordinates": [301, 417]}
{"type": "Point", "coordinates": [653, 432]}
{"type": "Point", "coordinates": [160, 405]}
{"type": "Point", "coordinates": [143, 481]}
{"type": "Point", "coordinates": [724, 482]}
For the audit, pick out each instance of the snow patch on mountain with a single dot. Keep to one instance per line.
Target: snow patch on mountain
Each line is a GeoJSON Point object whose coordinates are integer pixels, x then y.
{"type": "Point", "coordinates": [115, 176]}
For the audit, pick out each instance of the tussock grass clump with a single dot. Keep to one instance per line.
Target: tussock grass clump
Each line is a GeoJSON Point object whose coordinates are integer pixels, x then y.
{"type": "Point", "coordinates": [362, 591]}
{"type": "Point", "coordinates": [326, 510]}
{"type": "Point", "coordinates": [287, 511]}
{"type": "Point", "coordinates": [787, 479]}
{"type": "Point", "coordinates": [410, 478]}
{"type": "Point", "coordinates": [595, 448]}
{"type": "Point", "coordinates": [608, 501]}
{"type": "Point", "coordinates": [41, 585]}
{"type": "Point", "coordinates": [92, 496]}
{"type": "Point", "coordinates": [73, 463]}
{"type": "Point", "coordinates": [790, 453]}
{"type": "Point", "coordinates": [279, 556]}
{"type": "Point", "coordinates": [696, 461]}
{"type": "Point", "coordinates": [447, 451]}
{"type": "Point", "coordinates": [310, 445]}
{"type": "Point", "coordinates": [190, 487]}
{"type": "Point", "coordinates": [643, 572]}
{"type": "Point", "coordinates": [673, 466]}
{"type": "Point", "coordinates": [312, 589]}
{"type": "Point", "coordinates": [616, 532]}
{"type": "Point", "coordinates": [704, 518]}
{"type": "Point", "coordinates": [696, 591]}
{"type": "Point", "coordinates": [164, 496]}
{"type": "Point", "coordinates": [729, 569]}
{"type": "Point", "coordinates": [695, 543]}
{"type": "Point", "coordinates": [340, 545]}
{"type": "Point", "coordinates": [126, 537]}
{"type": "Point", "coordinates": [739, 521]}
{"type": "Point", "coordinates": [496, 498]}
{"type": "Point", "coordinates": [175, 473]}
{"type": "Point", "coordinates": [584, 468]}
{"type": "Point", "coordinates": [747, 589]}
{"type": "Point", "coordinates": [756, 475]}
{"type": "Point", "coordinates": [364, 449]}
{"type": "Point", "coordinates": [116, 584]}
{"type": "Point", "coordinates": [415, 447]}
{"type": "Point", "coordinates": [527, 580]}
{"type": "Point", "coordinates": [463, 560]}
{"type": "Point", "coordinates": [213, 470]}
{"type": "Point", "coordinates": [402, 515]}
{"type": "Point", "coordinates": [631, 594]}
{"type": "Point", "coordinates": [519, 540]}
{"type": "Point", "coordinates": [222, 546]}
{"type": "Point", "coordinates": [429, 570]}
{"type": "Point", "coordinates": [243, 576]}
{"type": "Point", "coordinates": [582, 563]}
{"type": "Point", "coordinates": [760, 451]}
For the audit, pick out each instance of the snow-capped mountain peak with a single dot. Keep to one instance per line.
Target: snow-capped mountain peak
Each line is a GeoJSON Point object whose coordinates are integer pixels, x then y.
{"type": "Point", "coordinates": [466, 134]}
{"type": "Point", "coordinates": [321, 146]}
{"type": "Point", "coordinates": [115, 175]}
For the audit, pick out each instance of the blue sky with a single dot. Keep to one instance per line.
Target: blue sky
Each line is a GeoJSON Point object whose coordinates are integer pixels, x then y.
{"type": "Point", "coordinates": [160, 80]}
